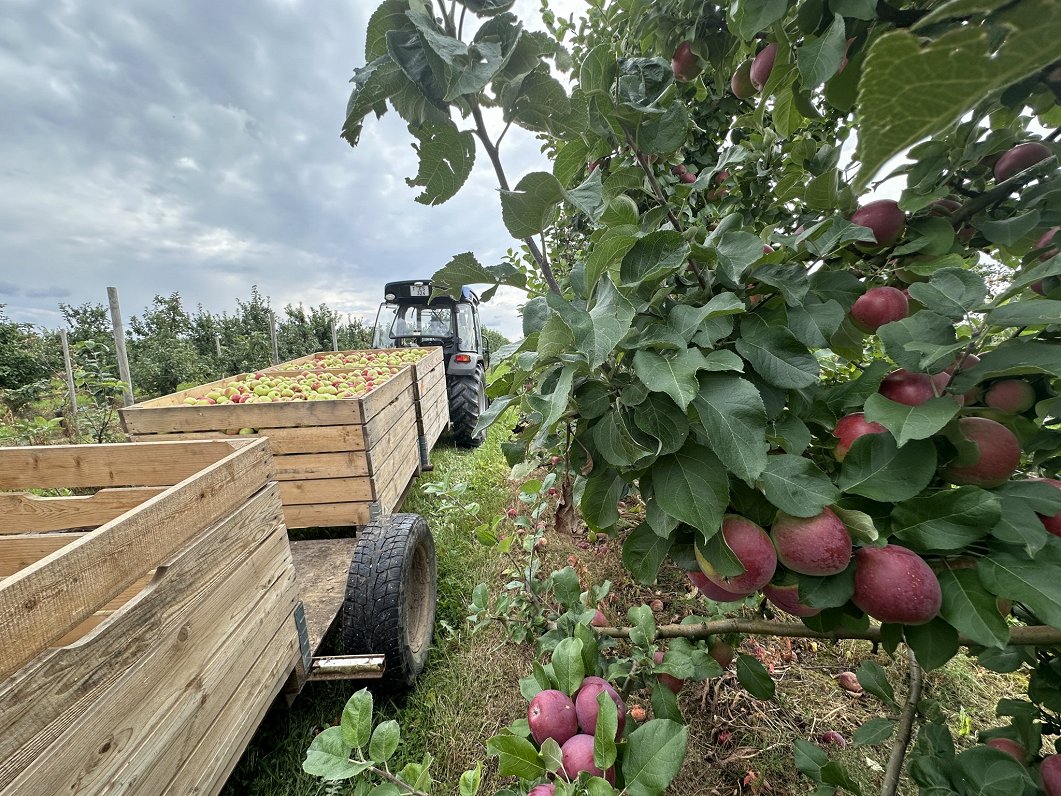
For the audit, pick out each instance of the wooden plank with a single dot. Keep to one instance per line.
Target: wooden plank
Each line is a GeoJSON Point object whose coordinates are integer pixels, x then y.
{"type": "Point", "coordinates": [97, 618]}
{"type": "Point", "coordinates": [46, 600]}
{"type": "Point", "coordinates": [396, 472]}
{"type": "Point", "coordinates": [282, 441]}
{"type": "Point", "coordinates": [117, 464]}
{"type": "Point", "coordinates": [163, 703]}
{"type": "Point", "coordinates": [398, 457]}
{"type": "Point", "coordinates": [303, 466]}
{"type": "Point", "coordinates": [393, 390]}
{"type": "Point", "coordinates": [140, 419]}
{"type": "Point", "coordinates": [382, 448]}
{"type": "Point", "coordinates": [382, 422]}
{"type": "Point", "coordinates": [327, 515]}
{"type": "Point", "coordinates": [326, 490]}
{"type": "Point", "coordinates": [57, 689]}
{"type": "Point", "coordinates": [20, 551]}
{"type": "Point", "coordinates": [321, 568]}
{"type": "Point", "coordinates": [21, 511]}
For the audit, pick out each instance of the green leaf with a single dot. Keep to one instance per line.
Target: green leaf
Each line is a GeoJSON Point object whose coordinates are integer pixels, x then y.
{"type": "Point", "coordinates": [642, 625]}
{"type": "Point", "coordinates": [644, 552]}
{"type": "Point", "coordinates": [600, 499]}
{"type": "Point", "coordinates": [674, 375]}
{"type": "Point", "coordinates": [328, 757]}
{"type": "Point", "coordinates": [357, 719]}
{"type": "Point", "coordinates": [970, 608]}
{"type": "Point", "coordinates": [384, 743]}
{"type": "Point", "coordinates": [948, 520]}
{"type": "Point", "coordinates": [570, 161]}
{"type": "Point", "coordinates": [566, 587]}
{"type": "Point", "coordinates": [819, 58]}
{"type": "Point", "coordinates": [1007, 231]}
{"type": "Point", "coordinates": [776, 355]}
{"type": "Point", "coordinates": [552, 756]}
{"type": "Point", "coordinates": [653, 257]}
{"type": "Point", "coordinates": [373, 84]}
{"type": "Point", "coordinates": [487, 8]}
{"type": "Point", "coordinates": [1016, 358]}
{"type": "Point", "coordinates": [532, 205]}
{"type": "Point", "coordinates": [654, 756]}
{"type": "Point", "coordinates": [754, 677]}
{"type": "Point", "coordinates": [517, 757]}
{"type": "Point", "coordinates": [910, 422]}
{"type": "Point", "coordinates": [597, 74]}
{"type": "Point", "coordinates": [815, 322]}
{"type": "Point", "coordinates": [691, 485]}
{"type": "Point", "coordinates": [933, 643]}
{"type": "Point", "coordinates": [1030, 274]}
{"type": "Point", "coordinates": [874, 680]}
{"type": "Point", "coordinates": [734, 421]}
{"type": "Point", "coordinates": [588, 197]}
{"type": "Point", "coordinates": [831, 591]}
{"type": "Point", "coordinates": [446, 159]}
{"type": "Point", "coordinates": [873, 732]}
{"type": "Point", "coordinates": [856, 9]}
{"type": "Point", "coordinates": [910, 89]}
{"type": "Point", "coordinates": [389, 15]}
{"type": "Point", "coordinates": [796, 486]}
{"type": "Point", "coordinates": [994, 772]}
{"type": "Point", "coordinates": [463, 269]}
{"type": "Point", "coordinates": [604, 751]}
{"type": "Point", "coordinates": [877, 468]}
{"type": "Point", "coordinates": [1034, 583]}
{"type": "Point", "coordinates": [952, 292]}
{"type": "Point", "coordinates": [471, 780]}
{"type": "Point", "coordinates": [615, 442]}
{"type": "Point", "coordinates": [407, 50]}
{"type": "Point", "coordinates": [749, 17]}
{"type": "Point", "coordinates": [664, 134]}
{"type": "Point", "coordinates": [736, 251]}
{"type": "Point", "coordinates": [687, 320]}
{"type": "Point", "coordinates": [921, 327]}
{"type": "Point", "coordinates": [1035, 312]}
{"type": "Point", "coordinates": [610, 247]}
{"type": "Point", "coordinates": [859, 524]}
{"type": "Point", "coordinates": [567, 665]}
{"type": "Point", "coordinates": [610, 321]}
{"type": "Point", "coordinates": [660, 418]}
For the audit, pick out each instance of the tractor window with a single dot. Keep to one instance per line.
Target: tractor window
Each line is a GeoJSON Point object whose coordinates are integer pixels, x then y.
{"type": "Point", "coordinates": [466, 332]}
{"type": "Point", "coordinates": [398, 326]}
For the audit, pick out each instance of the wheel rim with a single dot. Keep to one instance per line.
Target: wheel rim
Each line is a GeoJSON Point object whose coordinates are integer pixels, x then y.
{"type": "Point", "coordinates": [418, 596]}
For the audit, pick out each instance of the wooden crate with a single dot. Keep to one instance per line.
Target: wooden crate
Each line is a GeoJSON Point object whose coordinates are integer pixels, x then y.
{"type": "Point", "coordinates": [429, 390]}
{"type": "Point", "coordinates": [147, 626]}
{"type": "Point", "coordinates": [337, 462]}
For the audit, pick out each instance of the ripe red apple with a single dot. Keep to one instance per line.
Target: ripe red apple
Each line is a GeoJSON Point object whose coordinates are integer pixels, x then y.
{"type": "Point", "coordinates": [1021, 157]}
{"type": "Point", "coordinates": [684, 63]}
{"type": "Point", "coordinates": [713, 592]}
{"type": "Point", "coordinates": [998, 454]}
{"type": "Point", "coordinates": [787, 599]}
{"type": "Point", "coordinates": [818, 545]}
{"type": "Point", "coordinates": [762, 66]}
{"type": "Point", "coordinates": [577, 756]}
{"type": "Point", "coordinates": [849, 682]}
{"type": "Point", "coordinates": [1045, 241]}
{"type": "Point", "coordinates": [741, 82]}
{"type": "Point", "coordinates": [834, 738]}
{"type": "Point", "coordinates": [751, 545]}
{"type": "Point", "coordinates": [1010, 395]}
{"type": "Point", "coordinates": [687, 177]}
{"type": "Point", "coordinates": [914, 389]}
{"type": "Point", "coordinates": [850, 428]}
{"type": "Point", "coordinates": [669, 680]}
{"type": "Point", "coordinates": [893, 584]}
{"type": "Point", "coordinates": [599, 619]}
{"type": "Point", "coordinates": [878, 306]}
{"type": "Point", "coordinates": [551, 714]}
{"type": "Point", "coordinates": [678, 170]}
{"type": "Point", "coordinates": [943, 208]}
{"type": "Point", "coordinates": [1050, 771]}
{"type": "Point", "coordinates": [586, 707]}
{"type": "Point", "coordinates": [720, 192]}
{"type": "Point", "coordinates": [1052, 524]}
{"type": "Point", "coordinates": [884, 218]}
{"type": "Point", "coordinates": [545, 789]}
{"type": "Point", "coordinates": [1009, 747]}
{"type": "Point", "coordinates": [722, 652]}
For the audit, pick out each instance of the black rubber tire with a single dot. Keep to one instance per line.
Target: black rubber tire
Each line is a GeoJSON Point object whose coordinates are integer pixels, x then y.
{"type": "Point", "coordinates": [467, 401]}
{"type": "Point", "coordinates": [391, 596]}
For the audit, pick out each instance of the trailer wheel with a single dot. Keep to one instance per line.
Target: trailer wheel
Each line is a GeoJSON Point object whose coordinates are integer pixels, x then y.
{"type": "Point", "coordinates": [390, 600]}
{"type": "Point", "coordinates": [467, 401]}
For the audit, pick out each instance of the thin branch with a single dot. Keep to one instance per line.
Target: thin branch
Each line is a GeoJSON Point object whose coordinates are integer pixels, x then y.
{"type": "Point", "coordinates": [460, 27]}
{"type": "Point", "coordinates": [1002, 190]}
{"type": "Point", "coordinates": [447, 18]}
{"type": "Point", "coordinates": [1033, 635]}
{"type": "Point", "coordinates": [903, 732]}
{"type": "Point", "coordinates": [409, 789]}
{"type": "Point", "coordinates": [497, 143]}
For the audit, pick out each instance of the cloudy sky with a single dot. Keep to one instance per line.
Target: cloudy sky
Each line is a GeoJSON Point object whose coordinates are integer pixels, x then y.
{"type": "Point", "coordinates": [193, 147]}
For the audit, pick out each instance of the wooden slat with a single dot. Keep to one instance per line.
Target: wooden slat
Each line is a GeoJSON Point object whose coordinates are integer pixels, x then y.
{"type": "Point", "coordinates": [141, 419]}
{"type": "Point", "coordinates": [381, 450]}
{"type": "Point", "coordinates": [321, 568]}
{"type": "Point", "coordinates": [118, 464]}
{"type": "Point", "coordinates": [401, 466]}
{"type": "Point", "coordinates": [311, 439]}
{"type": "Point", "coordinates": [20, 551]}
{"type": "Point", "coordinates": [23, 512]}
{"type": "Point", "coordinates": [45, 601]}
{"type": "Point", "coordinates": [382, 423]}
{"type": "Point", "coordinates": [398, 457]}
{"type": "Point", "coordinates": [56, 690]}
{"type": "Point", "coordinates": [392, 390]}
{"type": "Point", "coordinates": [97, 618]}
{"type": "Point", "coordinates": [326, 515]}
{"type": "Point", "coordinates": [303, 466]}
{"type": "Point", "coordinates": [326, 490]}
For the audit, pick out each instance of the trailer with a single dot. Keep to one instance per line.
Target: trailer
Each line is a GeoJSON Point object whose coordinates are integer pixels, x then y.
{"type": "Point", "coordinates": [153, 608]}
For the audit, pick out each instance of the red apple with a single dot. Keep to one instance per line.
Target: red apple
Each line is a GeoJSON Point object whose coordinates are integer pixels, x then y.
{"type": "Point", "coordinates": [787, 599]}
{"type": "Point", "coordinates": [722, 652]}
{"type": "Point", "coordinates": [914, 389]}
{"type": "Point", "coordinates": [551, 714]}
{"type": "Point", "coordinates": [1010, 395]}
{"type": "Point", "coordinates": [818, 545]}
{"type": "Point", "coordinates": [751, 545]}
{"type": "Point", "coordinates": [943, 208]}
{"type": "Point", "coordinates": [850, 428]}
{"type": "Point", "coordinates": [1045, 241]}
{"type": "Point", "coordinates": [998, 454]}
{"type": "Point", "coordinates": [884, 218]}
{"type": "Point", "coordinates": [577, 756]}
{"type": "Point", "coordinates": [1052, 524]}
{"type": "Point", "coordinates": [1050, 771]}
{"type": "Point", "coordinates": [741, 83]}
{"type": "Point", "coordinates": [762, 66]}
{"type": "Point", "coordinates": [713, 592]}
{"type": "Point", "coordinates": [1009, 747]}
{"type": "Point", "coordinates": [669, 680]}
{"type": "Point", "coordinates": [878, 306]}
{"type": "Point", "coordinates": [893, 584]}
{"type": "Point", "coordinates": [684, 63]}
{"type": "Point", "coordinates": [1020, 158]}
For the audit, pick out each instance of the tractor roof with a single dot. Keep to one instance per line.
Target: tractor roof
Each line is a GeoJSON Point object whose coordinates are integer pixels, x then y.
{"type": "Point", "coordinates": [401, 290]}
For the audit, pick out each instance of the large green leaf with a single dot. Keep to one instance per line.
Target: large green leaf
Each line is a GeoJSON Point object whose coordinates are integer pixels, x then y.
{"type": "Point", "coordinates": [674, 375]}
{"type": "Point", "coordinates": [877, 468]}
{"type": "Point", "coordinates": [357, 719]}
{"type": "Point", "coordinates": [1034, 583]}
{"type": "Point", "coordinates": [796, 486]}
{"type": "Point", "coordinates": [597, 74]}
{"type": "Point", "coordinates": [952, 292]}
{"type": "Point", "coordinates": [734, 421]}
{"type": "Point", "coordinates": [815, 322]}
{"type": "Point", "coordinates": [776, 355]}
{"type": "Point", "coordinates": [922, 327]}
{"type": "Point", "coordinates": [517, 757]}
{"type": "Point", "coordinates": [911, 89]}
{"type": "Point", "coordinates": [568, 667]}
{"type": "Point", "coordinates": [644, 551]}
{"type": "Point", "coordinates": [446, 159]}
{"type": "Point", "coordinates": [659, 417]}
{"type": "Point", "coordinates": [600, 499]}
{"type": "Point", "coordinates": [615, 442]}
{"type": "Point", "coordinates": [735, 251]}
{"type": "Point", "coordinates": [654, 256]}
{"type": "Point", "coordinates": [686, 320]}
{"type": "Point", "coordinates": [948, 520]}
{"type": "Point", "coordinates": [328, 757]}
{"type": "Point", "coordinates": [610, 247]}
{"type": "Point", "coordinates": [691, 485]}
{"type": "Point", "coordinates": [1038, 312]}
{"type": "Point", "coordinates": [994, 772]}
{"type": "Point", "coordinates": [373, 84]}
{"type": "Point", "coordinates": [390, 15]}
{"type": "Point", "coordinates": [407, 50]}
{"type": "Point", "coordinates": [610, 321]}
{"type": "Point", "coordinates": [910, 422]}
{"type": "Point", "coordinates": [754, 677]}
{"type": "Point", "coordinates": [532, 205]}
{"type": "Point", "coordinates": [819, 58]}
{"type": "Point", "coordinates": [487, 8]}
{"type": "Point", "coordinates": [654, 755]}
{"type": "Point", "coordinates": [1013, 358]}
{"type": "Point", "coordinates": [970, 608]}
{"type": "Point", "coordinates": [385, 740]}
{"type": "Point", "coordinates": [934, 643]}
{"type": "Point", "coordinates": [749, 17]}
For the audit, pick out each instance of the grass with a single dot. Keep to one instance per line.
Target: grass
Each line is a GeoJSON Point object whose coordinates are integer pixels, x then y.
{"type": "Point", "coordinates": [738, 745]}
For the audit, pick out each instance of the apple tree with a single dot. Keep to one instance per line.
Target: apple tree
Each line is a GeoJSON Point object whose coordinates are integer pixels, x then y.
{"type": "Point", "coordinates": [792, 283]}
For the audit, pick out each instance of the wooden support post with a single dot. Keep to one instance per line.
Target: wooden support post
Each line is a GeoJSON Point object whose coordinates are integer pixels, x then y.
{"type": "Point", "coordinates": [72, 430]}
{"type": "Point", "coordinates": [119, 345]}
{"type": "Point", "coordinates": [217, 341]}
{"type": "Point", "coordinates": [272, 337]}
{"type": "Point", "coordinates": [335, 338]}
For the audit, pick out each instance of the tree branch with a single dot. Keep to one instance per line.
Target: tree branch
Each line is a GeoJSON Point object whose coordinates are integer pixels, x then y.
{"type": "Point", "coordinates": [409, 789]}
{"type": "Point", "coordinates": [1019, 636]}
{"type": "Point", "coordinates": [1002, 190]}
{"type": "Point", "coordinates": [890, 785]}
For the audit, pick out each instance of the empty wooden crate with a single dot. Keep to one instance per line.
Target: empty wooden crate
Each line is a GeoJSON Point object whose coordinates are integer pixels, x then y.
{"type": "Point", "coordinates": [148, 619]}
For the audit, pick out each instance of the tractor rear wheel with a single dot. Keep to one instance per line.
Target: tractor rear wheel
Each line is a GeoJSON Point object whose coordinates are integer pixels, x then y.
{"type": "Point", "coordinates": [467, 402]}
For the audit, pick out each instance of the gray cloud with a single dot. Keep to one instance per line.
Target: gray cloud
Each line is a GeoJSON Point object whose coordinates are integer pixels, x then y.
{"type": "Point", "coordinates": [193, 147]}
